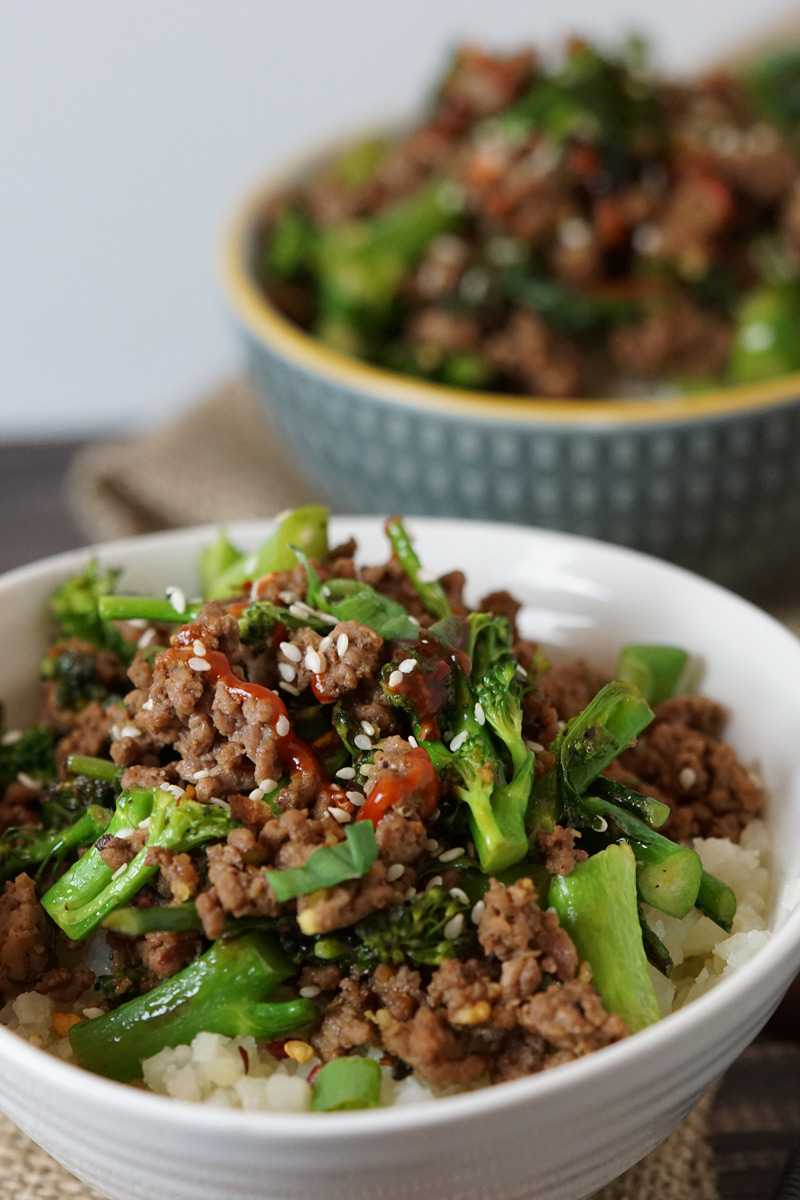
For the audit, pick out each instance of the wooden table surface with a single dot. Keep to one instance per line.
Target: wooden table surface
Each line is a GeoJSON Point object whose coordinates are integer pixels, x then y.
{"type": "Point", "coordinates": [753, 1133]}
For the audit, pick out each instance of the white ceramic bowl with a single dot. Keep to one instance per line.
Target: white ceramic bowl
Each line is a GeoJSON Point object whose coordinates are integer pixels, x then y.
{"type": "Point", "coordinates": [558, 1135]}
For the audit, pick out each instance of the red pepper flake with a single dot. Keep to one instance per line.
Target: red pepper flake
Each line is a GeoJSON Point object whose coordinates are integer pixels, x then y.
{"type": "Point", "coordinates": [313, 1074]}
{"type": "Point", "coordinates": [245, 1059]}
{"type": "Point", "coordinates": [276, 1049]}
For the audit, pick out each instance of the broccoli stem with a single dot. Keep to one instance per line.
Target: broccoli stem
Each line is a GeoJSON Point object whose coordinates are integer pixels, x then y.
{"type": "Point", "coordinates": [657, 953]}
{"type": "Point", "coordinates": [89, 890]}
{"type": "Point", "coordinates": [135, 922]}
{"type": "Point", "coordinates": [144, 608]}
{"type": "Point", "coordinates": [651, 811]}
{"type": "Point", "coordinates": [222, 991]}
{"type": "Point", "coordinates": [93, 768]}
{"type": "Point", "coordinates": [42, 847]}
{"type": "Point", "coordinates": [429, 590]}
{"type": "Point", "coordinates": [597, 905]}
{"type": "Point", "coordinates": [669, 874]}
{"type": "Point", "coordinates": [717, 901]}
{"type": "Point", "coordinates": [304, 529]}
{"type": "Point", "coordinates": [659, 672]}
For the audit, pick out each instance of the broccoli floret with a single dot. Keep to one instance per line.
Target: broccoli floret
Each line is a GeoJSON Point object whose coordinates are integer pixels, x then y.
{"type": "Point", "coordinates": [257, 623]}
{"type": "Point", "coordinates": [33, 754]}
{"type": "Point", "coordinates": [74, 673]}
{"type": "Point", "coordinates": [89, 890]}
{"type": "Point", "coordinates": [24, 848]}
{"type": "Point", "coordinates": [423, 931]}
{"type": "Point", "coordinates": [75, 605]}
{"type": "Point", "coordinates": [500, 696]}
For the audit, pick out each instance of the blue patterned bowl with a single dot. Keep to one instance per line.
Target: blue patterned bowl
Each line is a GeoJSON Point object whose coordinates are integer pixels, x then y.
{"type": "Point", "coordinates": [710, 481]}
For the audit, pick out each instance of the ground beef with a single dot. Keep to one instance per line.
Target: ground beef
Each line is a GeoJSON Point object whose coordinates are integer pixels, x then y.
{"type": "Point", "coordinates": [431, 1047]}
{"type": "Point", "coordinates": [569, 688]}
{"type": "Point", "coordinates": [502, 604]}
{"type": "Point", "coordinates": [105, 668]}
{"type": "Point", "coordinates": [177, 870]}
{"type": "Point", "coordinates": [235, 887]}
{"type": "Point", "coordinates": [65, 984]}
{"type": "Point", "coordinates": [558, 848]}
{"type": "Point", "coordinates": [148, 777]}
{"type": "Point", "coordinates": [326, 979]}
{"type": "Point", "coordinates": [571, 1019]}
{"type": "Point", "coordinates": [446, 330]}
{"type": "Point", "coordinates": [513, 923]}
{"type": "Point", "coordinates": [539, 720]}
{"type": "Point", "coordinates": [682, 339]}
{"type": "Point", "coordinates": [349, 902]}
{"type": "Point", "coordinates": [25, 933]}
{"type": "Point", "coordinates": [19, 805]}
{"type": "Point", "coordinates": [344, 1026]}
{"type": "Point", "coordinates": [165, 953]}
{"type": "Point", "coordinates": [360, 659]}
{"type": "Point", "coordinates": [368, 703]}
{"type": "Point", "coordinates": [117, 851]}
{"type": "Point", "coordinates": [90, 733]}
{"type": "Point", "coordinates": [464, 990]}
{"type": "Point", "coordinates": [540, 361]}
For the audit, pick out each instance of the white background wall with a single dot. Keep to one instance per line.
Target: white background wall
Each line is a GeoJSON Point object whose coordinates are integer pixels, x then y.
{"type": "Point", "coordinates": [128, 129]}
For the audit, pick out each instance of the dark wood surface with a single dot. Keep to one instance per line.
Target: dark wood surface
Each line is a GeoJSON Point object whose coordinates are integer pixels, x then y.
{"type": "Point", "coordinates": [756, 1122]}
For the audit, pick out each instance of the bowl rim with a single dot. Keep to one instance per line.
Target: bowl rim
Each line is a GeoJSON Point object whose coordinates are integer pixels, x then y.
{"type": "Point", "coordinates": [299, 1128]}
{"type": "Point", "coordinates": [264, 321]}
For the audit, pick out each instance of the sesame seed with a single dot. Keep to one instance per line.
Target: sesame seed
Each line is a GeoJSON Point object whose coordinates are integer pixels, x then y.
{"type": "Point", "coordinates": [282, 726]}
{"type": "Point", "coordinates": [130, 731]}
{"type": "Point", "coordinates": [477, 912]}
{"type": "Point", "coordinates": [308, 993]}
{"type": "Point", "coordinates": [92, 1012]}
{"type": "Point", "coordinates": [177, 598]}
{"type": "Point", "coordinates": [470, 847]}
{"type": "Point", "coordinates": [346, 773]}
{"type": "Point", "coordinates": [687, 778]}
{"type": "Point", "coordinates": [268, 785]}
{"type": "Point", "coordinates": [369, 729]}
{"type": "Point", "coordinates": [394, 872]}
{"type": "Point", "coordinates": [366, 768]}
{"type": "Point", "coordinates": [407, 665]}
{"type": "Point", "coordinates": [36, 1040]}
{"type": "Point", "coordinates": [120, 871]}
{"type": "Point", "coordinates": [298, 609]}
{"type": "Point", "coordinates": [313, 661]}
{"type": "Point", "coordinates": [145, 824]}
{"type": "Point", "coordinates": [431, 845]}
{"type": "Point", "coordinates": [574, 233]}
{"type": "Point", "coordinates": [412, 741]}
{"type": "Point", "coordinates": [339, 814]}
{"type": "Point", "coordinates": [124, 834]}
{"type": "Point", "coordinates": [480, 715]}
{"type": "Point", "coordinates": [536, 747]}
{"type": "Point", "coordinates": [436, 881]}
{"type": "Point", "coordinates": [356, 798]}
{"type": "Point", "coordinates": [395, 679]}
{"type": "Point", "coordinates": [289, 687]}
{"type": "Point", "coordinates": [288, 597]}
{"type": "Point", "coordinates": [410, 894]}
{"type": "Point", "coordinates": [460, 895]}
{"type": "Point", "coordinates": [342, 642]}
{"type": "Point", "coordinates": [325, 643]}
{"type": "Point", "coordinates": [199, 648]}
{"type": "Point", "coordinates": [458, 741]}
{"type": "Point", "coordinates": [204, 774]}
{"type": "Point", "coordinates": [454, 927]}
{"type": "Point", "coordinates": [600, 825]}
{"type": "Point", "coordinates": [138, 623]}
{"type": "Point", "coordinates": [28, 781]}
{"type": "Point", "coordinates": [521, 672]}
{"type": "Point", "coordinates": [413, 620]}
{"type": "Point", "coordinates": [362, 742]}
{"type": "Point", "coordinates": [199, 664]}
{"type": "Point", "coordinates": [256, 794]}
{"type": "Point", "coordinates": [176, 790]}
{"type": "Point", "coordinates": [11, 736]}
{"type": "Point", "coordinates": [287, 672]}
{"type": "Point", "coordinates": [147, 706]}
{"type": "Point", "coordinates": [328, 618]}
{"type": "Point", "coordinates": [425, 576]}
{"type": "Point", "coordinates": [147, 637]}
{"type": "Point", "coordinates": [451, 855]}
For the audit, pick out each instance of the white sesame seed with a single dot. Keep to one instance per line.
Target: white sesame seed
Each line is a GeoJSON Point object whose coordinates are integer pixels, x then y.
{"type": "Point", "coordinates": [308, 993]}
{"type": "Point", "coordinates": [431, 845]}
{"type": "Point", "coordinates": [256, 794]}
{"type": "Point", "coordinates": [177, 598]}
{"type": "Point", "coordinates": [326, 591]}
{"type": "Point", "coordinates": [477, 912]}
{"type": "Point", "coordinates": [346, 773]}
{"type": "Point", "coordinates": [138, 622]}
{"type": "Point", "coordinates": [394, 873]}
{"type": "Point", "coordinates": [199, 648]}
{"type": "Point", "coordinates": [460, 895]}
{"type": "Point", "coordinates": [147, 706]}
{"type": "Point", "coordinates": [395, 679]}
{"type": "Point", "coordinates": [412, 741]}
{"type": "Point", "coordinates": [120, 871]}
{"type": "Point", "coordinates": [328, 618]}
{"type": "Point", "coordinates": [454, 927]}
{"type": "Point", "coordinates": [289, 687]}
{"type": "Point", "coordinates": [145, 824]}
{"type": "Point", "coordinates": [287, 597]}
{"type": "Point", "coordinates": [299, 609]}
{"type": "Point", "coordinates": [325, 643]}
{"type": "Point", "coordinates": [147, 637]}
{"type": "Point", "coordinates": [600, 825]}
{"type": "Point", "coordinates": [687, 778]}
{"type": "Point", "coordinates": [436, 881]}
{"type": "Point", "coordinates": [521, 672]}
{"type": "Point", "coordinates": [287, 672]}
{"type": "Point", "coordinates": [199, 664]}
{"type": "Point", "coordinates": [130, 731]}
{"type": "Point", "coordinates": [10, 737]}
{"type": "Point", "coordinates": [366, 768]}
{"type": "Point", "coordinates": [267, 785]}
{"type": "Point", "coordinates": [480, 715]}
{"type": "Point", "coordinates": [470, 847]}
{"type": "Point", "coordinates": [413, 620]}
{"type": "Point", "coordinates": [339, 814]}
{"type": "Point", "coordinates": [313, 661]}
{"type": "Point", "coordinates": [250, 564]}
{"type": "Point", "coordinates": [362, 741]}
{"type": "Point", "coordinates": [356, 798]}
{"type": "Point", "coordinates": [407, 665]}
{"type": "Point", "coordinates": [369, 729]}
{"type": "Point", "coordinates": [458, 741]}
{"type": "Point", "coordinates": [410, 894]}
{"type": "Point", "coordinates": [28, 781]}
{"type": "Point", "coordinates": [536, 747]}
{"type": "Point", "coordinates": [425, 576]}
{"type": "Point", "coordinates": [175, 788]}
{"type": "Point", "coordinates": [282, 726]}
{"type": "Point", "coordinates": [451, 855]}
{"type": "Point", "coordinates": [124, 834]}
{"type": "Point", "coordinates": [204, 774]}
{"type": "Point", "coordinates": [92, 1012]}
{"type": "Point", "coordinates": [574, 233]}
{"type": "Point", "coordinates": [342, 642]}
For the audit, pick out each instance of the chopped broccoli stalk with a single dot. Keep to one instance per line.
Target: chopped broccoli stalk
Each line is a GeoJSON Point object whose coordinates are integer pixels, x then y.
{"type": "Point", "coordinates": [597, 905]}
{"type": "Point", "coordinates": [592, 740]}
{"type": "Point", "coordinates": [417, 931]}
{"type": "Point", "coordinates": [89, 890]}
{"type": "Point", "coordinates": [76, 607]}
{"type": "Point", "coordinates": [93, 768]}
{"type": "Point", "coordinates": [24, 848]}
{"type": "Point", "coordinates": [717, 901]}
{"type": "Point", "coordinates": [659, 672]}
{"type": "Point", "coordinates": [328, 865]}
{"type": "Point", "coordinates": [651, 811]}
{"type": "Point", "coordinates": [145, 608]}
{"type": "Point", "coordinates": [135, 922]}
{"type": "Point", "coordinates": [31, 755]}
{"type": "Point", "coordinates": [222, 991]}
{"type": "Point", "coordinates": [657, 953]}
{"type": "Point", "coordinates": [345, 1084]}
{"type": "Point", "coordinates": [669, 874]}
{"type": "Point", "coordinates": [429, 590]}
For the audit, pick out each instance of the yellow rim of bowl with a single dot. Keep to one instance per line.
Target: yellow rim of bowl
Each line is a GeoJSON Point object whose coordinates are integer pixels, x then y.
{"type": "Point", "coordinates": [263, 320]}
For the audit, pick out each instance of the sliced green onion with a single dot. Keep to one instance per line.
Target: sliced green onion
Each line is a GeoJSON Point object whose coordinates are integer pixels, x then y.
{"type": "Point", "coordinates": [346, 1083]}
{"type": "Point", "coordinates": [328, 865]}
{"type": "Point", "coordinates": [659, 672]}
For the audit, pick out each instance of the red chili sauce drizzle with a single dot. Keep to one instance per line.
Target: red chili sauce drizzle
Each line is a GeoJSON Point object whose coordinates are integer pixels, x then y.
{"type": "Point", "coordinates": [294, 754]}
{"type": "Point", "coordinates": [426, 686]}
{"type": "Point", "coordinates": [391, 789]}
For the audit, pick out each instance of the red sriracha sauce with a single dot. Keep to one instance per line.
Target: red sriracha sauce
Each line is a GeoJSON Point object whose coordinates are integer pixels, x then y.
{"type": "Point", "coordinates": [391, 789]}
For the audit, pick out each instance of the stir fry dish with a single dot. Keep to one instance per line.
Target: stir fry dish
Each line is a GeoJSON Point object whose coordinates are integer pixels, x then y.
{"type": "Point", "coordinates": [576, 229]}
{"type": "Point", "coordinates": [338, 815]}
